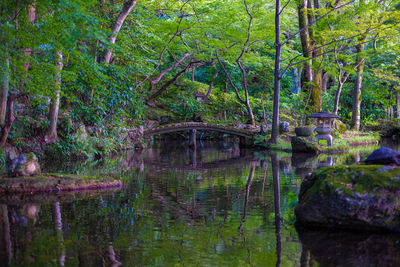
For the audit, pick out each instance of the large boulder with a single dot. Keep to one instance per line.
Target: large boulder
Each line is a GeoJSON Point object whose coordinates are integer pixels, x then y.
{"type": "Point", "coordinates": [25, 165]}
{"type": "Point", "coordinates": [304, 145]}
{"type": "Point", "coordinates": [385, 156]}
{"type": "Point", "coordinates": [357, 197]}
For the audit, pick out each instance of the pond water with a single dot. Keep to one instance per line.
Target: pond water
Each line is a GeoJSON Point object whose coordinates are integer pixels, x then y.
{"type": "Point", "coordinates": [218, 205]}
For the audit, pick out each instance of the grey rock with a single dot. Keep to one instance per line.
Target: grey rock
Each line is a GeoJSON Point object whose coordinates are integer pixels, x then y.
{"type": "Point", "coordinates": [284, 127]}
{"type": "Point", "coordinates": [24, 165]}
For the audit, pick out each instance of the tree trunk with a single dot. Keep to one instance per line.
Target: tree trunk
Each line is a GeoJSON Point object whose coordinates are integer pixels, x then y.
{"type": "Point", "coordinates": [226, 92]}
{"type": "Point", "coordinates": [356, 114]}
{"type": "Point", "coordinates": [325, 81]}
{"type": "Point", "coordinates": [10, 119]}
{"type": "Point", "coordinates": [250, 112]}
{"type": "Point", "coordinates": [316, 92]}
{"type": "Point", "coordinates": [397, 106]}
{"type": "Point", "coordinates": [210, 88]}
{"type": "Point", "coordinates": [337, 97]}
{"type": "Point", "coordinates": [128, 6]}
{"type": "Point", "coordinates": [55, 100]}
{"type": "Point", "coordinates": [307, 76]}
{"type": "Point", "coordinates": [296, 87]}
{"type": "Point", "coordinates": [263, 108]}
{"type": "Point", "coordinates": [4, 91]}
{"type": "Point", "coordinates": [7, 102]}
{"type": "Point", "coordinates": [277, 74]}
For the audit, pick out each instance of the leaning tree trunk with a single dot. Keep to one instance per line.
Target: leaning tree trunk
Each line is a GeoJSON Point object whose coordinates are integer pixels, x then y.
{"type": "Point", "coordinates": [55, 100]}
{"type": "Point", "coordinates": [128, 7]}
{"type": "Point", "coordinates": [356, 114]}
{"type": "Point", "coordinates": [210, 88]}
{"type": "Point", "coordinates": [250, 112]}
{"type": "Point", "coordinates": [337, 97]}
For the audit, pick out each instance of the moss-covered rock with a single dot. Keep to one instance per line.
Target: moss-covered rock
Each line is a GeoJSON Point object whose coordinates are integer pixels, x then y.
{"type": "Point", "coordinates": [339, 126]}
{"type": "Point", "coordinates": [360, 197]}
{"type": "Point", "coordinates": [304, 145]}
{"type": "Point", "coordinates": [54, 183]}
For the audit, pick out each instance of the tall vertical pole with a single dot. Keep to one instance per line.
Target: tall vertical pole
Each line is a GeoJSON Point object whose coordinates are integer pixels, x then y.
{"type": "Point", "coordinates": [277, 74]}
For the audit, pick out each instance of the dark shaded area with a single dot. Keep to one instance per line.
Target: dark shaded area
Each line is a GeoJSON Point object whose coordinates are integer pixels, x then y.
{"type": "Point", "coordinates": [349, 248]}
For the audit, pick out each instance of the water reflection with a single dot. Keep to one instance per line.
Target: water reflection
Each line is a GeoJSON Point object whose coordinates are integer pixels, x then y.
{"type": "Point", "coordinates": [277, 206]}
{"type": "Point", "coordinates": [345, 248]}
{"type": "Point", "coordinates": [213, 205]}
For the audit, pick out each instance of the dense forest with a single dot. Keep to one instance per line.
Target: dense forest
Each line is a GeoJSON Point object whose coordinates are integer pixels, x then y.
{"type": "Point", "coordinates": [99, 68]}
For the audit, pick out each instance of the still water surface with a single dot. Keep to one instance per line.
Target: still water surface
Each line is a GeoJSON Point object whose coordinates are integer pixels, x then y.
{"type": "Point", "coordinates": [217, 205]}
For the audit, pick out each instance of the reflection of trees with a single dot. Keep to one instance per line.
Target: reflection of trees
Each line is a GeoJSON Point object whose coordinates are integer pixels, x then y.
{"type": "Point", "coordinates": [176, 216]}
{"type": "Point", "coordinates": [247, 195]}
{"type": "Point", "coordinates": [5, 242]}
{"type": "Point", "coordinates": [334, 247]}
{"type": "Point", "coordinates": [277, 206]}
{"type": "Point", "coordinates": [57, 220]}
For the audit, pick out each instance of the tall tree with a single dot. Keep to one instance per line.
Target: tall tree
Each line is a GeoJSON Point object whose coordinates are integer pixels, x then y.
{"type": "Point", "coordinates": [277, 73]}
{"type": "Point", "coordinates": [12, 97]}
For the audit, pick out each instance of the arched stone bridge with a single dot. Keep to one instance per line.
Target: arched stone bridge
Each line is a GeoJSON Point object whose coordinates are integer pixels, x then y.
{"type": "Point", "coordinates": [185, 126]}
{"type": "Point", "coordinates": [246, 137]}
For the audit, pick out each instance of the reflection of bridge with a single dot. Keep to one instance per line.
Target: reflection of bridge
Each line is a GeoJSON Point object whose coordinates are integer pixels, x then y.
{"type": "Point", "coordinates": [246, 136]}
{"type": "Point", "coordinates": [200, 166]}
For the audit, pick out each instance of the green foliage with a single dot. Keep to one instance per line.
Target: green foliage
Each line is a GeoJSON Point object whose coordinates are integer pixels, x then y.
{"type": "Point", "coordinates": [157, 33]}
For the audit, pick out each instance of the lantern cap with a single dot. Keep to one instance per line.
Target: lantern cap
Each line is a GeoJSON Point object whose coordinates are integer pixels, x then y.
{"type": "Point", "coordinates": [324, 115]}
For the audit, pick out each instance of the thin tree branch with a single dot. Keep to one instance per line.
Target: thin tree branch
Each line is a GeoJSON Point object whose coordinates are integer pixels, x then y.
{"type": "Point", "coordinates": [244, 49]}
{"type": "Point", "coordinates": [171, 81]}
{"type": "Point", "coordinates": [177, 32]}
{"type": "Point", "coordinates": [157, 80]}
{"type": "Point", "coordinates": [283, 8]}
{"type": "Point", "coordinates": [227, 74]}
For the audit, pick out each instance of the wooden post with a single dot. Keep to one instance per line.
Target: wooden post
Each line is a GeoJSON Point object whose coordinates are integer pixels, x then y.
{"type": "Point", "coordinates": [193, 139]}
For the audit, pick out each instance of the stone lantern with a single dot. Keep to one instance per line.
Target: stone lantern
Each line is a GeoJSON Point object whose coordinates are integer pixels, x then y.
{"type": "Point", "coordinates": [324, 125]}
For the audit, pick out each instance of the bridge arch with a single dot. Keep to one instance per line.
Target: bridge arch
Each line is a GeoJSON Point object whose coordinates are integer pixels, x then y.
{"type": "Point", "coordinates": [185, 126]}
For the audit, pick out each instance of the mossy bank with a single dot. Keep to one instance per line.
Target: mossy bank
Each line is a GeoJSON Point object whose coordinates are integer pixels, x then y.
{"type": "Point", "coordinates": [54, 183]}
